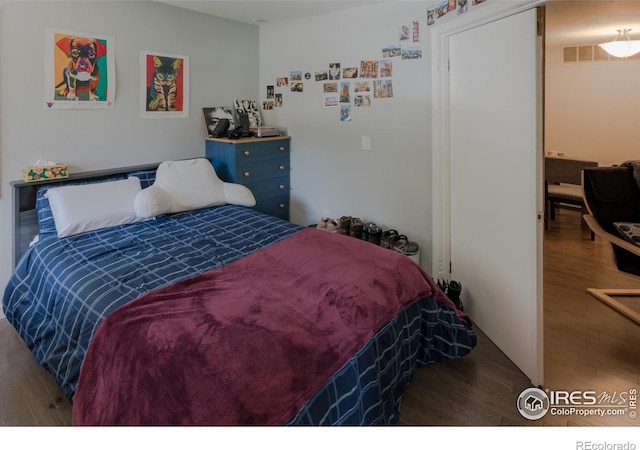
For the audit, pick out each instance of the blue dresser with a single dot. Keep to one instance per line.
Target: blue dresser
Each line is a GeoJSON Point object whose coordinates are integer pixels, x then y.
{"type": "Point", "coordinates": [261, 164]}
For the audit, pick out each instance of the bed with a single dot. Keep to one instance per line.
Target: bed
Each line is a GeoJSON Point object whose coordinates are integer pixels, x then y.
{"type": "Point", "coordinates": [221, 315]}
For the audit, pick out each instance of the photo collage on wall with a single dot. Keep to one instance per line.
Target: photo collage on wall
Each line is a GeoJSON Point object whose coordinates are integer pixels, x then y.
{"type": "Point", "coordinates": [447, 7]}
{"type": "Point", "coordinates": [349, 87]}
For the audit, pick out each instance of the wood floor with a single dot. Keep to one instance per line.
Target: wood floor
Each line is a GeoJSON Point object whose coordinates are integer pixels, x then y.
{"type": "Point", "coordinates": [588, 346]}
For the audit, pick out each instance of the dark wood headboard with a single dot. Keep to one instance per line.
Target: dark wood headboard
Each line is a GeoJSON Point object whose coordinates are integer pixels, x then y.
{"type": "Point", "coordinates": [25, 221]}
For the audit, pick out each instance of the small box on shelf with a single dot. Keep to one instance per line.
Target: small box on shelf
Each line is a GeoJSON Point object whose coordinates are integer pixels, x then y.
{"type": "Point", "coordinates": [42, 173]}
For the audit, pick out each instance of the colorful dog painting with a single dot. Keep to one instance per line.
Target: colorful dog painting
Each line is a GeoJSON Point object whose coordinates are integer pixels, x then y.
{"type": "Point", "coordinates": [82, 73]}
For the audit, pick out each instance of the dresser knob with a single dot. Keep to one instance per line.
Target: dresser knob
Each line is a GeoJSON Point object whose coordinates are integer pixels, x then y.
{"type": "Point", "coordinates": [281, 205]}
{"type": "Point", "coordinates": [281, 186]}
{"type": "Point", "coordinates": [246, 174]}
{"type": "Point", "coordinates": [281, 149]}
{"type": "Point", "coordinates": [247, 153]}
{"type": "Point", "coordinates": [281, 167]}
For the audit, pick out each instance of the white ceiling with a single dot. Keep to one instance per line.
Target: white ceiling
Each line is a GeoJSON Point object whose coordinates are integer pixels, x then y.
{"type": "Point", "coordinates": [568, 22]}
{"type": "Point", "coordinates": [253, 11]}
{"type": "Point", "coordinates": [590, 22]}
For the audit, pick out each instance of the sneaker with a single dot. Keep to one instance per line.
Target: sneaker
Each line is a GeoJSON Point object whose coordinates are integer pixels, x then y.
{"type": "Point", "coordinates": [374, 232]}
{"type": "Point", "coordinates": [345, 224]}
{"type": "Point", "coordinates": [355, 229]}
{"type": "Point", "coordinates": [403, 245]}
{"type": "Point", "coordinates": [388, 238]}
{"type": "Point", "coordinates": [332, 226]}
{"type": "Point", "coordinates": [322, 223]}
{"type": "Point", "coordinates": [365, 232]}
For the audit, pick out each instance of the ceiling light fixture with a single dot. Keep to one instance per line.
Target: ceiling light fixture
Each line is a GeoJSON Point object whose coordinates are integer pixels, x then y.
{"type": "Point", "coordinates": [622, 46]}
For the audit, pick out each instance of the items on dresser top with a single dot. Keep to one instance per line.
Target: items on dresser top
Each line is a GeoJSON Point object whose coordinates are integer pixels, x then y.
{"type": "Point", "coordinates": [262, 165]}
{"type": "Point", "coordinates": [262, 132]}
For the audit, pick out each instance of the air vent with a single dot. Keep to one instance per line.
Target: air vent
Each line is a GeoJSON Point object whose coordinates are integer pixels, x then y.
{"type": "Point", "coordinates": [575, 54]}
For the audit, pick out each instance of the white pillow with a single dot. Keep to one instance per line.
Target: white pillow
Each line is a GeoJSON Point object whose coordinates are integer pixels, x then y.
{"type": "Point", "coordinates": [152, 201]}
{"type": "Point", "coordinates": [237, 194]}
{"type": "Point", "coordinates": [186, 185]}
{"type": "Point", "coordinates": [89, 207]}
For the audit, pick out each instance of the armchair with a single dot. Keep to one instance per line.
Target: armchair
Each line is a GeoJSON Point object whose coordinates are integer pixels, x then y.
{"type": "Point", "coordinates": [612, 200]}
{"type": "Point", "coordinates": [563, 177]}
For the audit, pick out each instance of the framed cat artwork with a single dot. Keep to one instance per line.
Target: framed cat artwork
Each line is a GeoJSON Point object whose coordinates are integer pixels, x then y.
{"type": "Point", "coordinates": [164, 85]}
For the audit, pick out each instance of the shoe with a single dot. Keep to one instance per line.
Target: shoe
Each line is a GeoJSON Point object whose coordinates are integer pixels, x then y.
{"type": "Point", "coordinates": [403, 245]}
{"type": "Point", "coordinates": [365, 231]}
{"type": "Point", "coordinates": [374, 232]}
{"type": "Point", "coordinates": [322, 223]}
{"type": "Point", "coordinates": [442, 285]}
{"type": "Point", "coordinates": [344, 224]}
{"type": "Point", "coordinates": [332, 226]}
{"type": "Point", "coordinates": [388, 238]}
{"type": "Point", "coordinates": [453, 292]}
{"type": "Point", "coordinates": [355, 229]}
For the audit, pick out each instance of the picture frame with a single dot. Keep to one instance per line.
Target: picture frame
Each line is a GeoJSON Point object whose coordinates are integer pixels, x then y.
{"type": "Point", "coordinates": [88, 82]}
{"type": "Point", "coordinates": [212, 116]}
{"type": "Point", "coordinates": [250, 108]}
{"type": "Point", "coordinates": [164, 85]}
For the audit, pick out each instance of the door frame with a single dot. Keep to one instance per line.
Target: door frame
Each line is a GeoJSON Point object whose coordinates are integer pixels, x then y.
{"type": "Point", "coordinates": [441, 167]}
{"type": "Point", "coordinates": [440, 35]}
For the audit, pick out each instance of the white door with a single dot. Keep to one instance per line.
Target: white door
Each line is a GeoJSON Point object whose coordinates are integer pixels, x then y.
{"type": "Point", "coordinates": [495, 191]}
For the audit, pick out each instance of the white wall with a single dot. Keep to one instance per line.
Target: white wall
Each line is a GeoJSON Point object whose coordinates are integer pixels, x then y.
{"type": "Point", "coordinates": [391, 183]}
{"type": "Point", "coordinates": [592, 109]}
{"type": "Point", "coordinates": [224, 59]}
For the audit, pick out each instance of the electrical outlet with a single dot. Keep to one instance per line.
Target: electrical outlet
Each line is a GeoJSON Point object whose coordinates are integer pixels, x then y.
{"type": "Point", "coordinates": [366, 143]}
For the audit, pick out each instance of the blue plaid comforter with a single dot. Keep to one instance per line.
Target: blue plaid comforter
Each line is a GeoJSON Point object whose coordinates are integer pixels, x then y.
{"type": "Point", "coordinates": [63, 288]}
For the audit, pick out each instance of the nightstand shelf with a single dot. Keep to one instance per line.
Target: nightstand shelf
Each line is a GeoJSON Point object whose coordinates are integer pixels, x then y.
{"type": "Point", "coordinates": [261, 164]}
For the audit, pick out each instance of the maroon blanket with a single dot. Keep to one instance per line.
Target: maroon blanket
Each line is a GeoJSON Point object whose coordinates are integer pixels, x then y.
{"type": "Point", "coordinates": [247, 343]}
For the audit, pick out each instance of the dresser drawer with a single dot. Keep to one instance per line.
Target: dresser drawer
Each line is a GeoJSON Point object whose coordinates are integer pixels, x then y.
{"type": "Point", "coordinates": [262, 165]}
{"type": "Point", "coordinates": [261, 170]}
{"type": "Point", "coordinates": [274, 206]}
{"type": "Point", "coordinates": [261, 151]}
{"type": "Point", "coordinates": [269, 188]}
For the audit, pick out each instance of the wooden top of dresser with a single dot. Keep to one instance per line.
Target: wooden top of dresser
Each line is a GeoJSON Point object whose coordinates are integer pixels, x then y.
{"type": "Point", "coordinates": [249, 139]}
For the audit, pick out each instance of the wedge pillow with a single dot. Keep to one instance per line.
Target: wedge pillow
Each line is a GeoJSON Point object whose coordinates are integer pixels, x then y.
{"type": "Point", "coordinates": [186, 185]}
{"type": "Point", "coordinates": [89, 207]}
